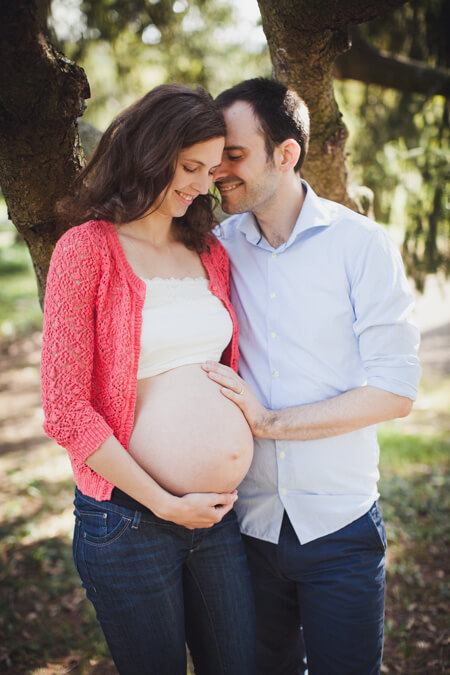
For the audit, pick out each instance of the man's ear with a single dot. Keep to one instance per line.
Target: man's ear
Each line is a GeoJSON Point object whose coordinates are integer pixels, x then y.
{"type": "Point", "coordinates": [289, 152]}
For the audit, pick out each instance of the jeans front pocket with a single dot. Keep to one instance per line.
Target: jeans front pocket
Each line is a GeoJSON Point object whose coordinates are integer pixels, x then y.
{"type": "Point", "coordinates": [93, 522]}
{"type": "Point", "coordinates": [376, 520]}
{"type": "Point", "coordinates": [105, 530]}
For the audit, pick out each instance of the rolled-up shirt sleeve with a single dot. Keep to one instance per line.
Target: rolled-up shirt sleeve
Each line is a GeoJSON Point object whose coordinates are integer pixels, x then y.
{"type": "Point", "coordinates": [383, 303]}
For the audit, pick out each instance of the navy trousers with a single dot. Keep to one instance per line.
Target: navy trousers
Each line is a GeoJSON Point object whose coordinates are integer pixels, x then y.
{"type": "Point", "coordinates": [333, 587]}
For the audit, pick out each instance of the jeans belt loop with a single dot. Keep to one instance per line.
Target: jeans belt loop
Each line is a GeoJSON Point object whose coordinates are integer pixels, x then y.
{"type": "Point", "coordinates": [136, 520]}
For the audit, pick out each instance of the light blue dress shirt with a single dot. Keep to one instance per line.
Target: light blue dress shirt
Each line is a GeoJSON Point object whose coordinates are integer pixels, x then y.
{"type": "Point", "coordinates": [327, 311]}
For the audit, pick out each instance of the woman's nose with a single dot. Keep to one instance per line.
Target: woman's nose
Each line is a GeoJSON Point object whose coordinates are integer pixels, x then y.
{"type": "Point", "coordinates": [204, 183]}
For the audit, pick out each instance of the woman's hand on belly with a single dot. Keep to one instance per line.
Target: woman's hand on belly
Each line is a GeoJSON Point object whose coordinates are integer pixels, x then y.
{"type": "Point", "coordinates": [197, 510]}
{"type": "Point", "coordinates": [237, 390]}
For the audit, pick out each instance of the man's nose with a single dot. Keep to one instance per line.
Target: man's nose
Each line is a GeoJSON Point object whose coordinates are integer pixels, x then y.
{"type": "Point", "coordinates": [220, 172]}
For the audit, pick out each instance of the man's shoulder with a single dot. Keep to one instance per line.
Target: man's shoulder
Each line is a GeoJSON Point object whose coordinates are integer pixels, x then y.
{"type": "Point", "coordinates": [353, 230]}
{"type": "Point", "coordinates": [227, 229]}
{"type": "Point", "coordinates": [346, 219]}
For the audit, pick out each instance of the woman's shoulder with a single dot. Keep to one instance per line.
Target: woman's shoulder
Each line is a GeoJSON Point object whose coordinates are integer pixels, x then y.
{"type": "Point", "coordinates": [80, 241]}
{"type": "Point", "coordinates": [91, 231]}
{"type": "Point", "coordinates": [81, 246]}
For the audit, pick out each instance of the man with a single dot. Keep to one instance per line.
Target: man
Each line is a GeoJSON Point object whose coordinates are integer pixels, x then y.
{"type": "Point", "coordinates": [327, 351]}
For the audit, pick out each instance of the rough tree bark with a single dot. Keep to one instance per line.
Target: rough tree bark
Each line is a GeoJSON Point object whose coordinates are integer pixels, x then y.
{"type": "Point", "coordinates": [304, 39]}
{"type": "Point", "coordinates": [41, 95]}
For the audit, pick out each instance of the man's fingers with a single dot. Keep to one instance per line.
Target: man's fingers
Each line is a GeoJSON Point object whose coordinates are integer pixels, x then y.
{"type": "Point", "coordinates": [217, 367]}
{"type": "Point", "coordinates": [231, 383]}
{"type": "Point", "coordinates": [222, 378]}
{"type": "Point", "coordinates": [233, 396]}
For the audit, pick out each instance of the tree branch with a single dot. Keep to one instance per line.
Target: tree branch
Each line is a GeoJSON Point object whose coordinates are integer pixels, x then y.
{"type": "Point", "coordinates": [323, 15]}
{"type": "Point", "coordinates": [366, 63]}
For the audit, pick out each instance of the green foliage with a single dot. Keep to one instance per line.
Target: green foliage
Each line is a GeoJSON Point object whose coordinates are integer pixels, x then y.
{"type": "Point", "coordinates": [415, 489]}
{"type": "Point", "coordinates": [129, 46]}
{"type": "Point", "coordinates": [400, 143]}
{"type": "Point", "coordinates": [399, 147]}
{"type": "Point", "coordinates": [19, 306]}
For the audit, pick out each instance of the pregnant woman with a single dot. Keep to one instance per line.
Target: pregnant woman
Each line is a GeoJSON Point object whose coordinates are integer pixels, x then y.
{"type": "Point", "coordinates": [137, 298]}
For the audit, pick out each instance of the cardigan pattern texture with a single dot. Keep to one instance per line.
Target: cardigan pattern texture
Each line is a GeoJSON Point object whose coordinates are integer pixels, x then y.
{"type": "Point", "coordinates": [91, 342]}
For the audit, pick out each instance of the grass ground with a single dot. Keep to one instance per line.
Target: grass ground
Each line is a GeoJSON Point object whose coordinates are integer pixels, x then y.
{"type": "Point", "coordinates": [46, 625]}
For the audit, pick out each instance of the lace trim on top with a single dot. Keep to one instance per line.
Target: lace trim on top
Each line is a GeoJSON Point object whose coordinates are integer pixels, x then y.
{"type": "Point", "coordinates": [166, 291]}
{"type": "Point", "coordinates": [182, 323]}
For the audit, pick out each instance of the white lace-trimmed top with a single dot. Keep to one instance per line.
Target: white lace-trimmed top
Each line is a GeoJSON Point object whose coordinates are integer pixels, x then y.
{"type": "Point", "coordinates": [182, 323]}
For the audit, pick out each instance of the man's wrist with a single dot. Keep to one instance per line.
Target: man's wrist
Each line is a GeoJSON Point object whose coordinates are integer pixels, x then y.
{"type": "Point", "coordinates": [268, 425]}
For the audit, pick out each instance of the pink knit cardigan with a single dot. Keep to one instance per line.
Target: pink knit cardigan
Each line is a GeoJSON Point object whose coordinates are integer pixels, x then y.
{"type": "Point", "coordinates": [91, 342]}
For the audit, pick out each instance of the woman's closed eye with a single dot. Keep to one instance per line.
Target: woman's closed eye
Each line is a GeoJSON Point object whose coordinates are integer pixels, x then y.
{"type": "Point", "coordinates": [189, 170]}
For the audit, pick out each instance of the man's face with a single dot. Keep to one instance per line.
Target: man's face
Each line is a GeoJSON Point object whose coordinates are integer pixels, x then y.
{"type": "Point", "coordinates": [246, 178]}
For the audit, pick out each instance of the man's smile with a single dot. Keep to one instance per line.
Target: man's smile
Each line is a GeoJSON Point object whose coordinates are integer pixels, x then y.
{"type": "Point", "coordinates": [227, 187]}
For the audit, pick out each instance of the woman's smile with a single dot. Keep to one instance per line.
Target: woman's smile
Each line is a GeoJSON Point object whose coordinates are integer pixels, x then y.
{"type": "Point", "coordinates": [186, 198]}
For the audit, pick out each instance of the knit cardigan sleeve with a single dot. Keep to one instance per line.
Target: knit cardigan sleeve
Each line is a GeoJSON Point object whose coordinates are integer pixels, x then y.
{"type": "Point", "coordinates": [230, 356]}
{"type": "Point", "coordinates": [68, 346]}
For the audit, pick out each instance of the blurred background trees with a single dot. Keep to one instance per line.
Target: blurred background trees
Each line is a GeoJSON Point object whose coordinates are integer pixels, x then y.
{"type": "Point", "coordinates": [399, 141]}
{"type": "Point", "coordinates": [398, 146]}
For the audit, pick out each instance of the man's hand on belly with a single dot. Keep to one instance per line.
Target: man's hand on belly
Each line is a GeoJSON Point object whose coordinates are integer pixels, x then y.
{"type": "Point", "coordinates": [237, 390]}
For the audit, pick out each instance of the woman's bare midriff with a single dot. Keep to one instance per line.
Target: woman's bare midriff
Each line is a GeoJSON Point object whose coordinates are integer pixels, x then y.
{"type": "Point", "coordinates": [187, 435]}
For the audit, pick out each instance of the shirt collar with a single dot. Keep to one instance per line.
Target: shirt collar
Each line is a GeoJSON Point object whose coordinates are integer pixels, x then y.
{"type": "Point", "coordinates": [315, 213]}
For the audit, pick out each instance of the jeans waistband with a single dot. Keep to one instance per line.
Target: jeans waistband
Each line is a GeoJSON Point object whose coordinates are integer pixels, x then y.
{"type": "Point", "coordinates": [122, 499]}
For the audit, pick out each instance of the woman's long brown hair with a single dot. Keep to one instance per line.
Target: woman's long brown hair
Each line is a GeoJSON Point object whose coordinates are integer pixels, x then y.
{"type": "Point", "coordinates": [136, 157]}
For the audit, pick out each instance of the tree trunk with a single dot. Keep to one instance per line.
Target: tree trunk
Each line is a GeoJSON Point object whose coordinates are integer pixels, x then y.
{"type": "Point", "coordinates": [304, 39]}
{"type": "Point", "coordinates": [41, 96]}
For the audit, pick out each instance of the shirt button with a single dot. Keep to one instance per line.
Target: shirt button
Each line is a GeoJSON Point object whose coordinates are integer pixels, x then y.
{"type": "Point", "coordinates": [276, 373]}
{"type": "Point", "coordinates": [282, 454]}
{"type": "Point", "coordinates": [274, 255]}
{"type": "Point", "coordinates": [273, 335]}
{"type": "Point", "coordinates": [283, 491]}
{"type": "Point", "coordinates": [273, 296]}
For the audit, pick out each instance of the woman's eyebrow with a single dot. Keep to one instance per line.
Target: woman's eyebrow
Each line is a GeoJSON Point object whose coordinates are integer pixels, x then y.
{"type": "Point", "coordinates": [197, 161]}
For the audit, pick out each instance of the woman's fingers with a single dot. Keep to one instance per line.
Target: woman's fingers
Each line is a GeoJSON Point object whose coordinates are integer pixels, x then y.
{"type": "Point", "coordinates": [205, 509]}
{"type": "Point", "coordinates": [223, 498]}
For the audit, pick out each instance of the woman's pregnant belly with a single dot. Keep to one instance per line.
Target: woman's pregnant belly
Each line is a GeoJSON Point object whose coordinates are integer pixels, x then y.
{"type": "Point", "coordinates": [187, 435]}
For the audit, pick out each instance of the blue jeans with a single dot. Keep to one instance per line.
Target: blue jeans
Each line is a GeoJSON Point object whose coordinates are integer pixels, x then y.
{"type": "Point", "coordinates": [333, 587]}
{"type": "Point", "coordinates": [156, 585]}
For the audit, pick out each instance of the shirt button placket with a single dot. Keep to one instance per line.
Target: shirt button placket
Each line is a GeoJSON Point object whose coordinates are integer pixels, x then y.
{"type": "Point", "coordinates": [272, 267]}
{"type": "Point", "coordinates": [271, 314]}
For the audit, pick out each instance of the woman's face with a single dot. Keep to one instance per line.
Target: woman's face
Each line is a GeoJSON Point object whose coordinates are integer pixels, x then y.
{"type": "Point", "coordinates": [193, 176]}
